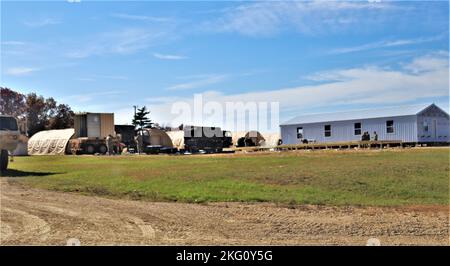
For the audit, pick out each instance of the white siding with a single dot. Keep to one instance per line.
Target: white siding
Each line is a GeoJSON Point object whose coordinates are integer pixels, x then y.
{"type": "Point", "coordinates": [405, 129]}
{"type": "Point", "coordinates": [438, 131]}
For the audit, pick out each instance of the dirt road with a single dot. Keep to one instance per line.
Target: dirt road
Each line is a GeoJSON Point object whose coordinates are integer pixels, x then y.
{"type": "Point", "coordinates": [32, 216]}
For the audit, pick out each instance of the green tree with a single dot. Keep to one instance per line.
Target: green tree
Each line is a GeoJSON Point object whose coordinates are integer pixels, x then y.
{"type": "Point", "coordinates": [63, 117]}
{"type": "Point", "coordinates": [141, 119]}
{"type": "Point", "coordinates": [39, 112]}
{"type": "Point", "coordinates": [12, 103]}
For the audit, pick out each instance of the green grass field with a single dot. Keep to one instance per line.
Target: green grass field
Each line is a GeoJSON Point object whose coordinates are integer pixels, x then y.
{"type": "Point", "coordinates": [378, 178]}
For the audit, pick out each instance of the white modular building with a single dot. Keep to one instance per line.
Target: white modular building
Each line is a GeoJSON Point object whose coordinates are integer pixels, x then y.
{"type": "Point", "coordinates": [410, 124]}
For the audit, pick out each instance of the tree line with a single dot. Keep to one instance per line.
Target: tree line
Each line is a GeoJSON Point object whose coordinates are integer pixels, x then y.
{"type": "Point", "coordinates": [37, 112]}
{"type": "Point", "coordinates": [41, 113]}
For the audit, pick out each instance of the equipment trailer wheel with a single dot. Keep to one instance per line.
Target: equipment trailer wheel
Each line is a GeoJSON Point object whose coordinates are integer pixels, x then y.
{"type": "Point", "coordinates": [90, 149]}
{"type": "Point", "coordinates": [4, 160]}
{"type": "Point", "coordinates": [102, 149]}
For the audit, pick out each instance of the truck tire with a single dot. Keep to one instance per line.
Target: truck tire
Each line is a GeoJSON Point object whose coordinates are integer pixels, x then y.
{"type": "Point", "coordinates": [90, 149]}
{"type": "Point", "coordinates": [102, 149]}
{"type": "Point", "coordinates": [4, 160]}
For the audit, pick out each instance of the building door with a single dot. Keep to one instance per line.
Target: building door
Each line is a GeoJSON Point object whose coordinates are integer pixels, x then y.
{"type": "Point", "coordinates": [435, 129]}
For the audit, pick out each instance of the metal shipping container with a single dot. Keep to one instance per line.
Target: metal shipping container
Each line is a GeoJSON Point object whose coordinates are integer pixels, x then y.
{"type": "Point", "coordinates": [94, 125]}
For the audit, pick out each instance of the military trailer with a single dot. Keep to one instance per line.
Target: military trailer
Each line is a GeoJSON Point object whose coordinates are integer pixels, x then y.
{"type": "Point", "coordinates": [207, 139]}
{"type": "Point", "coordinates": [91, 130]}
{"type": "Point", "coordinates": [9, 138]}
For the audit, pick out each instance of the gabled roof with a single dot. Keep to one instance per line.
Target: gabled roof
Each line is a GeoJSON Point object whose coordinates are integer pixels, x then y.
{"type": "Point", "coordinates": [359, 114]}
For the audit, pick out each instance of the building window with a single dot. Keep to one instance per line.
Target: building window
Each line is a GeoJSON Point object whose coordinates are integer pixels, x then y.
{"type": "Point", "coordinates": [357, 128]}
{"type": "Point", "coordinates": [425, 126]}
{"type": "Point", "coordinates": [300, 132]}
{"type": "Point", "coordinates": [390, 126]}
{"type": "Point", "coordinates": [327, 130]}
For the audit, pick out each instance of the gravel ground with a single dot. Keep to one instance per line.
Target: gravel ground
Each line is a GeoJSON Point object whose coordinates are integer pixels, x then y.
{"type": "Point", "coordinates": [40, 217]}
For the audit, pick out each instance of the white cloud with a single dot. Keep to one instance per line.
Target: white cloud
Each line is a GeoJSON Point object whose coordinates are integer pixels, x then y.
{"type": "Point", "coordinates": [200, 81]}
{"type": "Point", "coordinates": [88, 97]}
{"type": "Point", "coordinates": [116, 77]}
{"type": "Point", "coordinates": [125, 41]}
{"type": "Point", "coordinates": [20, 71]}
{"type": "Point", "coordinates": [123, 116]}
{"type": "Point", "coordinates": [271, 17]}
{"type": "Point", "coordinates": [141, 17]}
{"type": "Point", "coordinates": [428, 63]}
{"type": "Point", "coordinates": [18, 48]}
{"type": "Point", "coordinates": [13, 43]}
{"type": "Point", "coordinates": [41, 22]}
{"type": "Point", "coordinates": [95, 77]}
{"type": "Point", "coordinates": [384, 44]}
{"type": "Point", "coordinates": [169, 57]}
{"type": "Point", "coordinates": [85, 79]}
{"type": "Point", "coordinates": [341, 87]}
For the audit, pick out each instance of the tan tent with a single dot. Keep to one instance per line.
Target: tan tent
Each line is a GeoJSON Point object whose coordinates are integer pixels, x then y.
{"type": "Point", "coordinates": [177, 137]}
{"type": "Point", "coordinates": [270, 140]}
{"type": "Point", "coordinates": [156, 136]}
{"type": "Point", "coordinates": [255, 136]}
{"type": "Point", "coordinates": [50, 142]}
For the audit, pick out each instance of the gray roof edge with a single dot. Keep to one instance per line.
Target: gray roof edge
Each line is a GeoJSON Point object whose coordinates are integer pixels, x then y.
{"type": "Point", "coordinates": [423, 108]}
{"type": "Point", "coordinates": [341, 120]}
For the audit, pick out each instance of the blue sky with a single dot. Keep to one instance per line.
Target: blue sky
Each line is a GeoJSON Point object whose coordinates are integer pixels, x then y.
{"type": "Point", "coordinates": [309, 56]}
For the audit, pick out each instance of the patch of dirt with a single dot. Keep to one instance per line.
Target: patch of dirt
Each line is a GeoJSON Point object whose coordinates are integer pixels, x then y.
{"type": "Point", "coordinates": [40, 217]}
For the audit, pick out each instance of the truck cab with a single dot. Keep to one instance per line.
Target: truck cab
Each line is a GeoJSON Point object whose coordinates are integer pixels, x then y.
{"type": "Point", "coordinates": [9, 138]}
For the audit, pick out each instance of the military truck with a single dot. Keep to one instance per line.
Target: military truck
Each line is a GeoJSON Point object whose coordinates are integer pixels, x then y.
{"type": "Point", "coordinates": [9, 138]}
{"type": "Point", "coordinates": [207, 139]}
{"type": "Point", "coordinates": [91, 130]}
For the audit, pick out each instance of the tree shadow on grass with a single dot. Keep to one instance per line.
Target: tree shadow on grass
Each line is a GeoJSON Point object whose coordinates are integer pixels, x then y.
{"type": "Point", "coordinates": [18, 173]}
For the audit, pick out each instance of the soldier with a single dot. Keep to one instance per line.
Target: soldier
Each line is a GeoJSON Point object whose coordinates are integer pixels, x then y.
{"type": "Point", "coordinates": [375, 136]}
{"type": "Point", "coordinates": [109, 145]}
{"type": "Point", "coordinates": [364, 136]}
{"type": "Point", "coordinates": [139, 143]}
